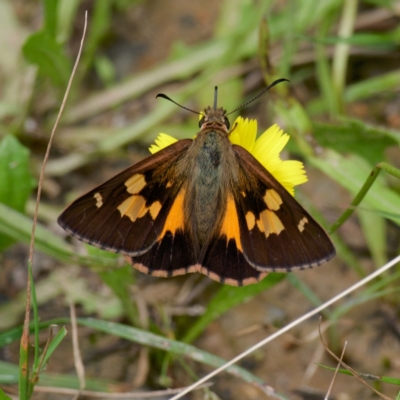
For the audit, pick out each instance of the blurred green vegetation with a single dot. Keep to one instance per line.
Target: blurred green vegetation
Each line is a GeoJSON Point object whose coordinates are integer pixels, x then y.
{"type": "Point", "coordinates": [340, 108]}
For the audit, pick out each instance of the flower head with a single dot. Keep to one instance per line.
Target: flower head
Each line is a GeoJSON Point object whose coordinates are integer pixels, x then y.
{"type": "Point", "coordinates": [162, 140]}
{"type": "Point", "coordinates": [265, 149]}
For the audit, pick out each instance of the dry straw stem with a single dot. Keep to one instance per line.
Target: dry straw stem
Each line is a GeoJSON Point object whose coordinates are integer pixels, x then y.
{"type": "Point", "coordinates": [79, 367]}
{"type": "Point", "coordinates": [25, 332]}
{"type": "Point", "coordinates": [337, 367]}
{"type": "Point", "coordinates": [290, 326]}
{"type": "Point", "coordinates": [355, 373]}
{"type": "Point", "coordinates": [107, 395]}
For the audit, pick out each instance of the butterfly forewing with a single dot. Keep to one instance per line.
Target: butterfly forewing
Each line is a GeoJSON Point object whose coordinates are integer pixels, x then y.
{"type": "Point", "coordinates": [276, 233]}
{"type": "Point", "coordinates": [127, 214]}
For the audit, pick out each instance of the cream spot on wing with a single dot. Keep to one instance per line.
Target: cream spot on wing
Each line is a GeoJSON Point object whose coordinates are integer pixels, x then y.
{"type": "Point", "coordinates": [250, 220]}
{"type": "Point", "coordinates": [155, 209]}
{"type": "Point", "coordinates": [270, 223]}
{"type": "Point", "coordinates": [99, 199]}
{"type": "Point", "coordinates": [301, 224]}
{"type": "Point", "coordinates": [133, 207]}
{"type": "Point", "coordinates": [135, 184]}
{"type": "Point", "coordinates": [272, 199]}
{"type": "Point", "coordinates": [169, 184]}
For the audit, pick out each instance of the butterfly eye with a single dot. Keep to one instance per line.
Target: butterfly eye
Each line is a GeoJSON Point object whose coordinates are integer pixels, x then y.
{"type": "Point", "coordinates": [201, 122]}
{"type": "Point", "coordinates": [227, 123]}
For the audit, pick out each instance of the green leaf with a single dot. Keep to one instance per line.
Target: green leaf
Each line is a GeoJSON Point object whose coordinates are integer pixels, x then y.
{"type": "Point", "coordinates": [227, 298]}
{"type": "Point", "coordinates": [374, 229]}
{"type": "Point", "coordinates": [355, 137]}
{"type": "Point", "coordinates": [3, 396]}
{"type": "Point", "coordinates": [50, 16]}
{"type": "Point", "coordinates": [16, 180]}
{"type": "Point", "coordinates": [351, 172]}
{"type": "Point", "coordinates": [41, 49]}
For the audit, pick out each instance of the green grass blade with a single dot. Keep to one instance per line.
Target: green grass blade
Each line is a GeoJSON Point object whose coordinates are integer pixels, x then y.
{"type": "Point", "coordinates": [9, 375]}
{"type": "Point", "coordinates": [35, 317]}
{"type": "Point", "coordinates": [53, 345]}
{"type": "Point", "coordinates": [351, 172]}
{"type": "Point", "coordinates": [19, 227]}
{"type": "Point", "coordinates": [145, 338]}
{"type": "Point", "coordinates": [367, 377]}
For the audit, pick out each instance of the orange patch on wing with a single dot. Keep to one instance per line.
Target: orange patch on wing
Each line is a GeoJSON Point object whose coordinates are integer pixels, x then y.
{"type": "Point", "coordinates": [270, 223]}
{"type": "Point", "coordinates": [230, 224]}
{"type": "Point", "coordinates": [175, 218]}
{"type": "Point", "coordinates": [135, 184]}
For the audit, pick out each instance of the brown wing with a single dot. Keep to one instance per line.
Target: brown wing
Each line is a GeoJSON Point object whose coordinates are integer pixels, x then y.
{"type": "Point", "coordinates": [172, 252]}
{"type": "Point", "coordinates": [276, 233]}
{"type": "Point", "coordinates": [224, 260]}
{"type": "Point", "coordinates": [128, 213]}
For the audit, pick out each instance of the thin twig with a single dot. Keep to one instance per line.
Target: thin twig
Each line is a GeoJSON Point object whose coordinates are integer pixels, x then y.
{"type": "Point", "coordinates": [353, 371]}
{"type": "Point", "coordinates": [336, 371]}
{"type": "Point", "coordinates": [25, 332]}
{"type": "Point", "coordinates": [79, 367]}
{"type": "Point", "coordinates": [133, 395]}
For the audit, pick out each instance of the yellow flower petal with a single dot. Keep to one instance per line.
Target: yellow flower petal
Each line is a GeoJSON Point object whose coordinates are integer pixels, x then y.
{"type": "Point", "coordinates": [163, 140]}
{"type": "Point", "coordinates": [289, 174]}
{"type": "Point", "coordinates": [244, 132]}
{"type": "Point", "coordinates": [266, 149]}
{"type": "Point", "coordinates": [269, 145]}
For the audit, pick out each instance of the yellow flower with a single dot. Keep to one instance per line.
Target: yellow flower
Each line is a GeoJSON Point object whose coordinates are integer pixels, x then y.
{"type": "Point", "coordinates": [162, 140]}
{"type": "Point", "coordinates": [266, 149]}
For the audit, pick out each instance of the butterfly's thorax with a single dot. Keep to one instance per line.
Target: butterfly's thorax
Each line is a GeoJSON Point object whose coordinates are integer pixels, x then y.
{"type": "Point", "coordinates": [211, 168]}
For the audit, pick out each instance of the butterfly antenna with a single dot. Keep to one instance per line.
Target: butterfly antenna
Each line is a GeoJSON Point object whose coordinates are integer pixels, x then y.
{"type": "Point", "coordinates": [215, 97]}
{"type": "Point", "coordinates": [164, 96]}
{"type": "Point", "coordinates": [254, 98]}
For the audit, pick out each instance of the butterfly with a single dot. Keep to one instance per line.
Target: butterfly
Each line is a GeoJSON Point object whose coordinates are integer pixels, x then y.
{"type": "Point", "coordinates": [200, 205]}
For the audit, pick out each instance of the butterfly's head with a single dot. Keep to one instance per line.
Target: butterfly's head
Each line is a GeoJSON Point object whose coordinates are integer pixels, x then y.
{"type": "Point", "coordinates": [214, 118]}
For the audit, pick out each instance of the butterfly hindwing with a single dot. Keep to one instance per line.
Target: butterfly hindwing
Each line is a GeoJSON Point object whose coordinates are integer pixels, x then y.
{"type": "Point", "coordinates": [127, 214]}
{"type": "Point", "coordinates": [276, 233]}
{"type": "Point", "coordinates": [224, 260]}
{"type": "Point", "coordinates": [172, 253]}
